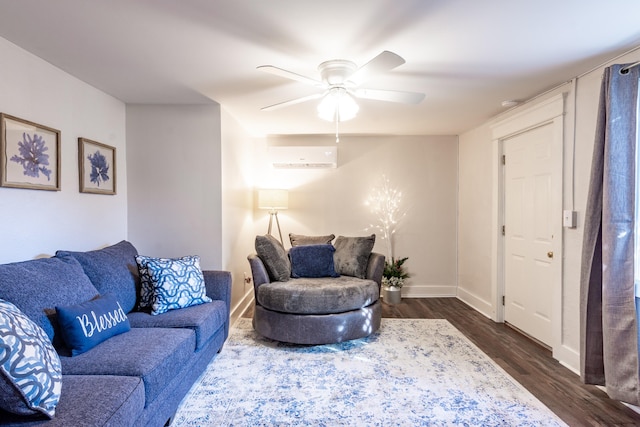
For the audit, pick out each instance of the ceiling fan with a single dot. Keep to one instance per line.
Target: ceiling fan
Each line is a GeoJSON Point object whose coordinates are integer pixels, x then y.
{"type": "Point", "coordinates": [340, 82]}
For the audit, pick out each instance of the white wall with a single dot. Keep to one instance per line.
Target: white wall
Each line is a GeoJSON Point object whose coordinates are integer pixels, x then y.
{"type": "Point", "coordinates": [238, 231]}
{"type": "Point", "coordinates": [328, 201]}
{"type": "Point", "coordinates": [475, 219]}
{"type": "Point", "coordinates": [175, 181]}
{"type": "Point", "coordinates": [476, 186]}
{"type": "Point", "coordinates": [35, 223]}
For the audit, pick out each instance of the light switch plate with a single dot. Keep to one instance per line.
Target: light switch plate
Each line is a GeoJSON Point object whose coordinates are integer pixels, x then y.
{"type": "Point", "coordinates": [569, 218]}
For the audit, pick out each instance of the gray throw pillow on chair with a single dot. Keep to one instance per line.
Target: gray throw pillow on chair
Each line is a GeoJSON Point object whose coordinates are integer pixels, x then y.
{"type": "Point", "coordinates": [302, 240]}
{"type": "Point", "coordinates": [352, 255]}
{"type": "Point", "coordinates": [274, 257]}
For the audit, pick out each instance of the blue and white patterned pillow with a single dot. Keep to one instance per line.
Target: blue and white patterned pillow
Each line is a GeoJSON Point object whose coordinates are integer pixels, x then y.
{"type": "Point", "coordinates": [171, 283]}
{"type": "Point", "coordinates": [30, 370]}
{"type": "Point", "coordinates": [147, 293]}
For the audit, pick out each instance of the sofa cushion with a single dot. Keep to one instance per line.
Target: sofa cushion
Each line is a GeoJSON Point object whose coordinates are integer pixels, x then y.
{"type": "Point", "coordinates": [352, 255]}
{"type": "Point", "coordinates": [301, 240]}
{"type": "Point", "coordinates": [30, 370]}
{"type": "Point", "coordinates": [204, 319]}
{"type": "Point", "coordinates": [318, 296]}
{"type": "Point", "coordinates": [36, 287]}
{"type": "Point", "coordinates": [274, 257]}
{"type": "Point", "coordinates": [86, 325]}
{"type": "Point", "coordinates": [312, 261]}
{"type": "Point", "coordinates": [154, 354]}
{"type": "Point", "coordinates": [92, 400]}
{"type": "Point", "coordinates": [112, 270]}
{"type": "Point", "coordinates": [177, 283]}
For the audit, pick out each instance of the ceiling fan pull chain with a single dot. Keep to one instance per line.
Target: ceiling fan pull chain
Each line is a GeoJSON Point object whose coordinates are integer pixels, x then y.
{"type": "Point", "coordinates": [337, 134]}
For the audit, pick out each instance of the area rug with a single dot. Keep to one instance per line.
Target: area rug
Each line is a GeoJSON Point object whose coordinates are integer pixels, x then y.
{"type": "Point", "coordinates": [410, 373]}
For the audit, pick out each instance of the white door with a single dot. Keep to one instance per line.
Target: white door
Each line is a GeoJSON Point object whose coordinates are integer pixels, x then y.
{"type": "Point", "coordinates": [529, 236]}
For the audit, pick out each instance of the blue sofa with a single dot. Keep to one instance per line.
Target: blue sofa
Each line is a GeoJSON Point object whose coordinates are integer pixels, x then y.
{"type": "Point", "coordinates": [136, 378]}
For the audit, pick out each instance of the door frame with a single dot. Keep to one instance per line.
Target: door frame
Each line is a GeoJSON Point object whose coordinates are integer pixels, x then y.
{"type": "Point", "coordinates": [548, 112]}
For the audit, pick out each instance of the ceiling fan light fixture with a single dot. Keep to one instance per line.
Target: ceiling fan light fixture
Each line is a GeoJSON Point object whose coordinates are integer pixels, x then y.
{"type": "Point", "coordinates": [337, 106]}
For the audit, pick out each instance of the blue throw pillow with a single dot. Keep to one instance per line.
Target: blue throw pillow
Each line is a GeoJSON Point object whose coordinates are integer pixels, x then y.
{"type": "Point", "coordinates": [312, 261]}
{"type": "Point", "coordinates": [172, 283]}
{"type": "Point", "coordinates": [30, 370]}
{"type": "Point", "coordinates": [112, 270]}
{"type": "Point", "coordinates": [37, 286]}
{"type": "Point", "coordinates": [86, 325]}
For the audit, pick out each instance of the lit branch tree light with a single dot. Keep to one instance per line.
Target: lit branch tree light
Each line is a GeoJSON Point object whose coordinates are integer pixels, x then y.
{"type": "Point", "coordinates": [385, 202]}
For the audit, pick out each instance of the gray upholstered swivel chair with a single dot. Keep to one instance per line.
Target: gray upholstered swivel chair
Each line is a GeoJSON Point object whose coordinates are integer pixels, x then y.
{"type": "Point", "coordinates": [319, 310]}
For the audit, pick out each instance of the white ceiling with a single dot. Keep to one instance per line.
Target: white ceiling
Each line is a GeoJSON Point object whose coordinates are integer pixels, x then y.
{"type": "Point", "coordinates": [467, 56]}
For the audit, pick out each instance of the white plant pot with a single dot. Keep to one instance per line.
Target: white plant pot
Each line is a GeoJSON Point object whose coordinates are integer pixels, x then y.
{"type": "Point", "coordinates": [392, 295]}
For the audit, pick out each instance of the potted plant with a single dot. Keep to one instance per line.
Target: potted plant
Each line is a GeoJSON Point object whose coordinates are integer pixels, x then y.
{"type": "Point", "coordinates": [392, 280]}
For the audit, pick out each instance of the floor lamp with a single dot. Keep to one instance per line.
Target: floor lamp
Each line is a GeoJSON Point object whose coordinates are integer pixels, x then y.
{"type": "Point", "coordinates": [273, 200]}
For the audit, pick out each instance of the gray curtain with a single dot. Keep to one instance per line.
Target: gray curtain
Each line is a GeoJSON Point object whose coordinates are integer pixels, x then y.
{"type": "Point", "coordinates": [609, 325]}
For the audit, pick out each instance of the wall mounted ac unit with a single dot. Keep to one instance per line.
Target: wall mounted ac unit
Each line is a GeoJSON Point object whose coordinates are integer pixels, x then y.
{"type": "Point", "coordinates": [315, 157]}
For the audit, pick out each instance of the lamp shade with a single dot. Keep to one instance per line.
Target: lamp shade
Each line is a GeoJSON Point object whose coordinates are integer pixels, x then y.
{"type": "Point", "coordinates": [273, 199]}
{"type": "Point", "coordinates": [337, 105]}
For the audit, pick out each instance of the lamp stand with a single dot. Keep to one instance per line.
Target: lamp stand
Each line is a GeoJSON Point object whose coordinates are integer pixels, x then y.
{"type": "Point", "coordinates": [271, 215]}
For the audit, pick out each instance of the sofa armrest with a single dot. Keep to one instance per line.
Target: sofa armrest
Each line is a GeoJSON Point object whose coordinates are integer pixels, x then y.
{"type": "Point", "coordinates": [218, 284]}
{"type": "Point", "coordinates": [375, 267]}
{"type": "Point", "coordinates": [258, 271]}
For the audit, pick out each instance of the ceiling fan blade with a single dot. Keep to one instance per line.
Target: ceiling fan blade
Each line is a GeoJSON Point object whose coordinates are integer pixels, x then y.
{"type": "Point", "coordinates": [389, 95]}
{"type": "Point", "coordinates": [382, 63]}
{"type": "Point", "coordinates": [290, 75]}
{"type": "Point", "coordinates": [292, 102]}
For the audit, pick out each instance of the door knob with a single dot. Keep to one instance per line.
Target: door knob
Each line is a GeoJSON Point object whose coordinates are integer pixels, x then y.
{"type": "Point", "coordinates": [550, 254]}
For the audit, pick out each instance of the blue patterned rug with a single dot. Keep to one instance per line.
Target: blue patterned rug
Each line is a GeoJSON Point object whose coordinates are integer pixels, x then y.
{"type": "Point", "coordinates": [410, 373]}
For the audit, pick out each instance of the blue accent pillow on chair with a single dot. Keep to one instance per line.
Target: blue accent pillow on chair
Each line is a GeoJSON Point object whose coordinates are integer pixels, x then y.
{"type": "Point", "coordinates": [30, 370]}
{"type": "Point", "coordinates": [86, 325]}
{"type": "Point", "coordinates": [312, 261]}
{"type": "Point", "coordinates": [173, 283]}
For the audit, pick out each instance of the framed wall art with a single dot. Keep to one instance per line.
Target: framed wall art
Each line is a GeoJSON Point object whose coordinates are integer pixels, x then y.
{"type": "Point", "coordinates": [97, 163]}
{"type": "Point", "coordinates": [29, 154]}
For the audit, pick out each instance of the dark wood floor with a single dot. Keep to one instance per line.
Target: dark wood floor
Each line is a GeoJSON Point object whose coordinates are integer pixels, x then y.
{"type": "Point", "coordinates": [526, 361]}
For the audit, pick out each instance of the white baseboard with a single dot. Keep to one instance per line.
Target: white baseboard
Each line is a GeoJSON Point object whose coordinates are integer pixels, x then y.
{"type": "Point", "coordinates": [567, 357]}
{"type": "Point", "coordinates": [475, 302]}
{"type": "Point", "coordinates": [428, 291]}
{"type": "Point", "coordinates": [241, 307]}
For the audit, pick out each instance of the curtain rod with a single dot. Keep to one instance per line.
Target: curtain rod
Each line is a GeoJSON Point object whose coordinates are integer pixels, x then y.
{"type": "Point", "coordinates": [626, 69]}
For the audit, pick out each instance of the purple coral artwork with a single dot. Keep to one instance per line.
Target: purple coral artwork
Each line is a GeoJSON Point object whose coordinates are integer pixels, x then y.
{"type": "Point", "coordinates": [33, 156]}
{"type": "Point", "coordinates": [29, 155]}
{"type": "Point", "coordinates": [97, 167]}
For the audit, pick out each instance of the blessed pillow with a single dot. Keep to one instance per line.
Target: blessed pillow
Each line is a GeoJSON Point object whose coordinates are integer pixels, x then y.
{"type": "Point", "coordinates": [87, 324]}
{"type": "Point", "coordinates": [274, 257]}
{"type": "Point", "coordinates": [30, 373]}
{"type": "Point", "coordinates": [177, 282]}
{"type": "Point", "coordinates": [301, 240]}
{"type": "Point", "coordinates": [312, 261]}
{"type": "Point", "coordinates": [352, 255]}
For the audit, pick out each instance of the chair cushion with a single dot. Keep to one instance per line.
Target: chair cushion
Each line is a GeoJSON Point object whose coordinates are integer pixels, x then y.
{"type": "Point", "coordinates": [352, 255]}
{"type": "Point", "coordinates": [173, 282]}
{"type": "Point", "coordinates": [112, 270]}
{"type": "Point", "coordinates": [30, 371]}
{"type": "Point", "coordinates": [154, 354]}
{"type": "Point", "coordinates": [36, 287]}
{"type": "Point", "coordinates": [318, 296]}
{"type": "Point", "coordinates": [301, 240]}
{"type": "Point", "coordinates": [312, 261]}
{"type": "Point", "coordinates": [88, 324]}
{"type": "Point", "coordinates": [274, 257]}
{"type": "Point", "coordinates": [204, 319]}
